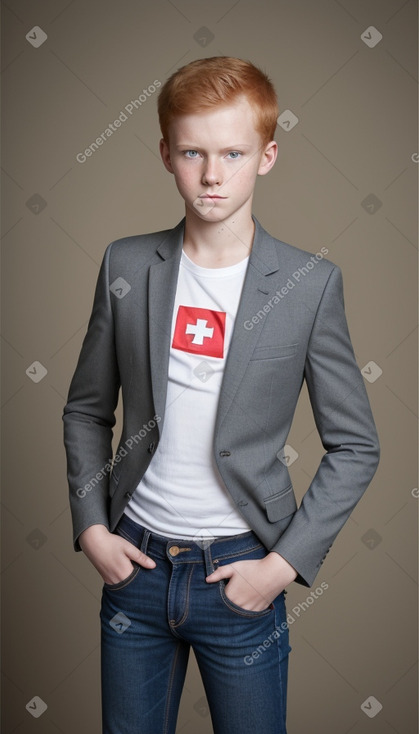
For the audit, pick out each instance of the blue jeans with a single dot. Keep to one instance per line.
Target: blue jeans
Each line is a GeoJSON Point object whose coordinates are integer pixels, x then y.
{"type": "Point", "coordinates": [152, 618]}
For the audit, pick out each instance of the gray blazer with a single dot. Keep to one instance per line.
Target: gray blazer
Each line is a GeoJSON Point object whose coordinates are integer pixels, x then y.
{"type": "Point", "coordinates": [290, 327]}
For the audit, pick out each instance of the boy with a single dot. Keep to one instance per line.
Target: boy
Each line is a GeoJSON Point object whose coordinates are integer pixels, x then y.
{"type": "Point", "coordinates": [210, 329]}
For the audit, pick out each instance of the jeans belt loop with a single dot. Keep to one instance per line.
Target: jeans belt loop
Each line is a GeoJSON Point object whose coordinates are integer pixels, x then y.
{"type": "Point", "coordinates": [144, 541]}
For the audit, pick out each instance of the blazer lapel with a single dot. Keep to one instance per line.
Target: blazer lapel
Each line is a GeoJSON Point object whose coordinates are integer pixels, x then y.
{"type": "Point", "coordinates": [256, 292]}
{"type": "Point", "coordinates": [161, 296]}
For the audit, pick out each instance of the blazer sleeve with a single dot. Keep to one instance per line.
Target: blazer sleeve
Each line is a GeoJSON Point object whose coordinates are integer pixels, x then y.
{"type": "Point", "coordinates": [347, 430]}
{"type": "Point", "coordinates": [89, 415]}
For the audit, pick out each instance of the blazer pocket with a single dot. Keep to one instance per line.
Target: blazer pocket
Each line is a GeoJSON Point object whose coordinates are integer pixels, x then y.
{"type": "Point", "coordinates": [276, 352]}
{"type": "Point", "coordinates": [281, 504]}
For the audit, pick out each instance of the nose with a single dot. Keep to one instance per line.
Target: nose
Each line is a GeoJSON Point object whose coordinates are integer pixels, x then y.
{"type": "Point", "coordinates": [211, 174]}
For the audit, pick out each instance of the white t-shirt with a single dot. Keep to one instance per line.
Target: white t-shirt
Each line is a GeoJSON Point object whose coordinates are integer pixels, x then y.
{"type": "Point", "coordinates": [182, 494]}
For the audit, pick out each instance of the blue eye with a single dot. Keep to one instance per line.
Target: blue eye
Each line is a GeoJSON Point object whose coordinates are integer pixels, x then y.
{"type": "Point", "coordinates": [191, 153]}
{"type": "Point", "coordinates": [234, 154]}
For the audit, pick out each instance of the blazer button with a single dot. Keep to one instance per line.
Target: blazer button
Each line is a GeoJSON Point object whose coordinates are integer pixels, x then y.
{"type": "Point", "coordinates": [225, 453]}
{"type": "Point", "coordinates": [151, 447]}
{"type": "Point", "coordinates": [128, 494]}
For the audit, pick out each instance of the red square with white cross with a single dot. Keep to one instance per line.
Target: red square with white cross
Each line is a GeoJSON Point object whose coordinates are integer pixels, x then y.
{"type": "Point", "coordinates": [200, 331]}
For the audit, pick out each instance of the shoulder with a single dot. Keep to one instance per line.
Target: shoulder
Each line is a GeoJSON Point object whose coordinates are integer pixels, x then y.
{"type": "Point", "coordinates": [295, 263]}
{"type": "Point", "coordinates": [137, 245]}
{"type": "Point", "coordinates": [298, 256]}
{"type": "Point", "coordinates": [142, 249]}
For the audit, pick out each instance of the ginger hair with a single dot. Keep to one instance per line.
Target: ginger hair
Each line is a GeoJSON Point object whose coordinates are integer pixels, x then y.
{"type": "Point", "coordinates": [206, 83]}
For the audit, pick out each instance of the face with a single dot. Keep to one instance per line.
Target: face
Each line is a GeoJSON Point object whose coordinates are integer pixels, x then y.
{"type": "Point", "coordinates": [215, 157]}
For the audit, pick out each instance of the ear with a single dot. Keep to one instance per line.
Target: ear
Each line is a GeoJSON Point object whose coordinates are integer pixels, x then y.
{"type": "Point", "coordinates": [165, 155]}
{"type": "Point", "coordinates": [268, 158]}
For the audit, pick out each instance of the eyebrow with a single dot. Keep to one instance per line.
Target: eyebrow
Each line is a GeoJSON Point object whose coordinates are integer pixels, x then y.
{"type": "Point", "coordinates": [190, 146]}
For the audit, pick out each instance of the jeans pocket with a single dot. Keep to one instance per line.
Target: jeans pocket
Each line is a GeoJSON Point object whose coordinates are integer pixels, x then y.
{"type": "Point", "coordinates": [241, 611]}
{"type": "Point", "coordinates": [124, 582]}
{"type": "Point", "coordinates": [254, 553]}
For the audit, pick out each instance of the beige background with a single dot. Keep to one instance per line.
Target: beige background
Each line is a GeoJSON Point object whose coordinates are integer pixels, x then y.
{"type": "Point", "coordinates": [355, 138]}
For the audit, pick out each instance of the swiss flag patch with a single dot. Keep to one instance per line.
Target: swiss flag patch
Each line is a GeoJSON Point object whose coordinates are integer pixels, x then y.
{"type": "Point", "coordinates": [200, 331]}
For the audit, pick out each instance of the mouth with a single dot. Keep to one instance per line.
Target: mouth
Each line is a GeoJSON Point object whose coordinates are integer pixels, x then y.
{"type": "Point", "coordinates": [211, 196]}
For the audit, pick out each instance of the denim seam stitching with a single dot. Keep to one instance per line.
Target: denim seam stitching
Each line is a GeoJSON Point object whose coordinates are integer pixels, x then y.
{"type": "Point", "coordinates": [124, 582]}
{"type": "Point", "coordinates": [186, 612]}
{"type": "Point", "coordinates": [170, 688]}
{"type": "Point", "coordinates": [238, 610]}
{"type": "Point", "coordinates": [239, 553]}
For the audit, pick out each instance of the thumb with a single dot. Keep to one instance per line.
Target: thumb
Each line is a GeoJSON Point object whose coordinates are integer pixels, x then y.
{"type": "Point", "coordinates": [136, 555]}
{"type": "Point", "coordinates": [224, 572]}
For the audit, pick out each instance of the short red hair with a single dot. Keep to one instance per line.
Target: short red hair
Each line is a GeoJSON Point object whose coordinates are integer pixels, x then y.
{"type": "Point", "coordinates": [206, 83]}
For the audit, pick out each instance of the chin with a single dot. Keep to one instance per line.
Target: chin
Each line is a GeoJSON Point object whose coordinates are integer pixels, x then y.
{"type": "Point", "coordinates": [214, 217]}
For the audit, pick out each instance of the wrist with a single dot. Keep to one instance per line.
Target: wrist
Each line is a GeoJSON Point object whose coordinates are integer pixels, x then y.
{"type": "Point", "coordinates": [280, 567]}
{"type": "Point", "coordinates": [92, 535]}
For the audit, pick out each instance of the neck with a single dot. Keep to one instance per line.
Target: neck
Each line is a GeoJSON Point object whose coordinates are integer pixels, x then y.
{"type": "Point", "coordinates": [218, 244]}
